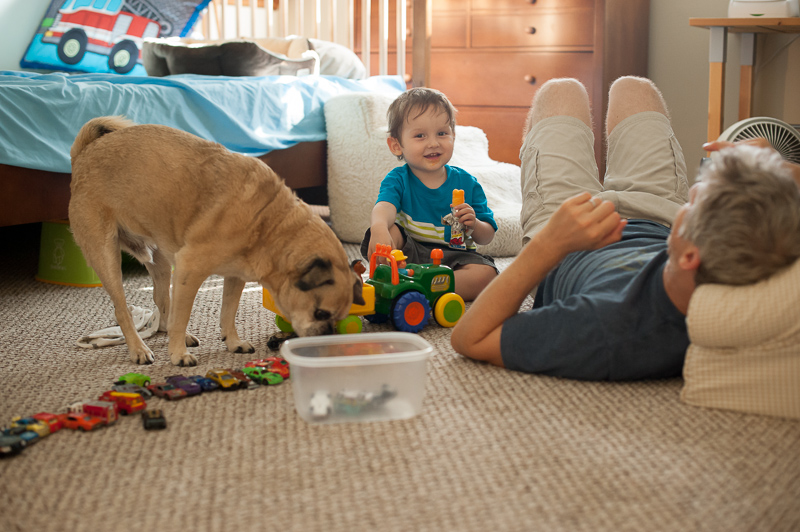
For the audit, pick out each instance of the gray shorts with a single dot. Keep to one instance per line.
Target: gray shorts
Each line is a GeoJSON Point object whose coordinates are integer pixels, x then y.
{"type": "Point", "coordinates": [645, 176]}
{"type": "Point", "coordinates": [420, 253]}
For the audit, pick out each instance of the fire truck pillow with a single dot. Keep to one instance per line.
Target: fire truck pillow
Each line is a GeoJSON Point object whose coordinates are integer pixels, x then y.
{"type": "Point", "coordinates": [106, 35]}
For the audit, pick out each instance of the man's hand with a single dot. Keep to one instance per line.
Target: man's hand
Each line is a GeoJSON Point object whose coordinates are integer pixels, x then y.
{"type": "Point", "coordinates": [717, 145]}
{"type": "Point", "coordinates": [583, 223]}
{"type": "Point", "coordinates": [757, 142]}
{"type": "Point", "coordinates": [580, 223]}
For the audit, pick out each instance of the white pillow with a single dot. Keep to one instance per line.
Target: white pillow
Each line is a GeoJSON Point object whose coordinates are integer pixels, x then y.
{"type": "Point", "coordinates": [745, 346]}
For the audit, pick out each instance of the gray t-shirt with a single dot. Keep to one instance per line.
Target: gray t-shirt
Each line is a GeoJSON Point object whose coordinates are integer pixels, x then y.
{"type": "Point", "coordinates": [603, 315]}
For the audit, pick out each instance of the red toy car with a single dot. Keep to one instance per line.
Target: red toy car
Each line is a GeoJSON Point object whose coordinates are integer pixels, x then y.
{"type": "Point", "coordinates": [83, 422]}
{"type": "Point", "coordinates": [274, 364]}
{"type": "Point", "coordinates": [167, 391]}
{"type": "Point", "coordinates": [50, 419]}
{"type": "Point", "coordinates": [127, 403]}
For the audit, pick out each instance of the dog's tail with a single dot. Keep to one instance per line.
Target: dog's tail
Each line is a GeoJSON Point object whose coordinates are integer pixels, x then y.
{"type": "Point", "coordinates": [96, 128]}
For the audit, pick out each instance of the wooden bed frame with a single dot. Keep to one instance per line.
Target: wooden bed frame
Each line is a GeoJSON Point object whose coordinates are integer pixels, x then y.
{"type": "Point", "coordinates": [29, 196]}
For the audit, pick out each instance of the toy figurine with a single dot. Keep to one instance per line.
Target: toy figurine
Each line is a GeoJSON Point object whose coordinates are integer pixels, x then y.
{"type": "Point", "coordinates": [401, 258]}
{"type": "Point", "coordinates": [459, 233]}
{"type": "Point", "coordinates": [320, 405]}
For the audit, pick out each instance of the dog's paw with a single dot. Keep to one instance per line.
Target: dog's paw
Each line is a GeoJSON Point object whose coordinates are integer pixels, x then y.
{"type": "Point", "coordinates": [183, 359]}
{"type": "Point", "coordinates": [238, 346]}
{"type": "Point", "coordinates": [191, 340]}
{"type": "Point", "coordinates": [245, 347]}
{"type": "Point", "coordinates": [142, 355]}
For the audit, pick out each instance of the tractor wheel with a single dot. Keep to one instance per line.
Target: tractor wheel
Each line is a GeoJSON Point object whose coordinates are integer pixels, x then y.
{"type": "Point", "coordinates": [448, 309]}
{"type": "Point", "coordinates": [410, 312]}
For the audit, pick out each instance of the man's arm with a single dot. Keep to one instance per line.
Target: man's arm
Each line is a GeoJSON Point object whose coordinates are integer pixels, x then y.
{"type": "Point", "coordinates": [577, 225]}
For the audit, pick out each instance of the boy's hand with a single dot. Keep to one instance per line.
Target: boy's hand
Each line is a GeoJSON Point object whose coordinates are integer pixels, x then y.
{"type": "Point", "coordinates": [465, 214]}
{"type": "Point", "coordinates": [379, 235]}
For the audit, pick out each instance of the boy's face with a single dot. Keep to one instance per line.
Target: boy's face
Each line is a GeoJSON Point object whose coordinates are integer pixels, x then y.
{"type": "Point", "coordinates": [426, 142]}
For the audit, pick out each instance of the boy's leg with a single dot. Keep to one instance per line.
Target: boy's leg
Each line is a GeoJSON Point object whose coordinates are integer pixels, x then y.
{"type": "Point", "coordinates": [646, 172]}
{"type": "Point", "coordinates": [557, 154]}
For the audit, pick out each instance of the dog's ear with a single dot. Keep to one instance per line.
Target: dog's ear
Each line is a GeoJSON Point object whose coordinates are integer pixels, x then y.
{"type": "Point", "coordinates": [358, 296]}
{"type": "Point", "coordinates": [317, 272]}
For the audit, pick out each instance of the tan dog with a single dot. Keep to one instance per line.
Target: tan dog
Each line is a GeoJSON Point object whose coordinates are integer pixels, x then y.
{"type": "Point", "coordinates": [170, 198]}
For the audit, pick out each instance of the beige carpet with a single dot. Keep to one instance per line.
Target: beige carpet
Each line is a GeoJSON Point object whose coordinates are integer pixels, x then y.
{"type": "Point", "coordinates": [492, 449]}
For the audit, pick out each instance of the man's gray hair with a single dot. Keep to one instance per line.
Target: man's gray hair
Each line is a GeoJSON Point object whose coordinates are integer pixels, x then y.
{"type": "Point", "coordinates": [746, 220]}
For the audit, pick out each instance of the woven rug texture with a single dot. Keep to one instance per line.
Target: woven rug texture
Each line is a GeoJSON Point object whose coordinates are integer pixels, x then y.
{"type": "Point", "coordinates": [491, 450]}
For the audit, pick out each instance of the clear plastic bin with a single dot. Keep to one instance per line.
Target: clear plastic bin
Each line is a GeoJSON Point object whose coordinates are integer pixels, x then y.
{"type": "Point", "coordinates": [358, 377]}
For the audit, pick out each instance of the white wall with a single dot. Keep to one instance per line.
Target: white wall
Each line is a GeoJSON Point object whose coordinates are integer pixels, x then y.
{"type": "Point", "coordinates": [678, 64]}
{"type": "Point", "coordinates": [19, 20]}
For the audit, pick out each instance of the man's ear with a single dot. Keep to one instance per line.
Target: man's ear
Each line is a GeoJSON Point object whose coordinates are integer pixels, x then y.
{"type": "Point", "coordinates": [690, 258]}
{"type": "Point", "coordinates": [394, 146]}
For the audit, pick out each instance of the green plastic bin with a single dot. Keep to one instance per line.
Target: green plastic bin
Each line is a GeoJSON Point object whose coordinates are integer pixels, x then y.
{"type": "Point", "coordinates": [60, 258]}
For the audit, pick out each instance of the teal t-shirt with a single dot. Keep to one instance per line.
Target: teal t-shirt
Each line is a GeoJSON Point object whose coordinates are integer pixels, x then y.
{"type": "Point", "coordinates": [603, 315]}
{"type": "Point", "coordinates": [420, 209]}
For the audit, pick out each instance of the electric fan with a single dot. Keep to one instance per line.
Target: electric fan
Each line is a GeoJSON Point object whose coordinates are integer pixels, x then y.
{"type": "Point", "coordinates": [782, 136]}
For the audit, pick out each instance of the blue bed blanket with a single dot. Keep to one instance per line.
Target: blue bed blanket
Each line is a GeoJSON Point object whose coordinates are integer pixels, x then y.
{"type": "Point", "coordinates": [40, 114]}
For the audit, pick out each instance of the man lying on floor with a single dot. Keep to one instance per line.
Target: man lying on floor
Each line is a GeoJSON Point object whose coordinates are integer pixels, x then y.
{"type": "Point", "coordinates": [613, 282]}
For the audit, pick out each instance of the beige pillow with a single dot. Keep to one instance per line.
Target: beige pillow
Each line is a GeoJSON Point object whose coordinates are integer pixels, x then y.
{"type": "Point", "coordinates": [745, 346]}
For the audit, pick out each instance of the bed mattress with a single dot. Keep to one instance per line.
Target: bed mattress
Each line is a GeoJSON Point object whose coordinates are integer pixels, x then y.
{"type": "Point", "coordinates": [40, 114]}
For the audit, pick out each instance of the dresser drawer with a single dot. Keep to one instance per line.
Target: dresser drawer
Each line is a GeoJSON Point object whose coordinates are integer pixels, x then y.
{"type": "Point", "coordinates": [504, 78]}
{"type": "Point", "coordinates": [449, 30]}
{"type": "Point", "coordinates": [503, 127]}
{"type": "Point", "coordinates": [573, 27]}
{"type": "Point", "coordinates": [496, 5]}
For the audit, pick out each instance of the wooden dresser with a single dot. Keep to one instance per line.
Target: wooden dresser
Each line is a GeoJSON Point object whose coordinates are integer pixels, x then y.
{"type": "Point", "coordinates": [490, 56]}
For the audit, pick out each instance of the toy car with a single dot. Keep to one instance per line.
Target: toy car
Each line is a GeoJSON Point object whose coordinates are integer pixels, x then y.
{"type": "Point", "coordinates": [208, 385]}
{"type": "Point", "coordinates": [274, 364]}
{"type": "Point", "coordinates": [28, 436]}
{"type": "Point", "coordinates": [11, 444]}
{"type": "Point", "coordinates": [134, 378]}
{"type": "Point", "coordinates": [41, 428]}
{"type": "Point", "coordinates": [51, 419]}
{"type": "Point", "coordinates": [262, 376]}
{"type": "Point", "coordinates": [244, 380]}
{"type": "Point", "coordinates": [354, 402]}
{"type": "Point", "coordinates": [154, 419]}
{"type": "Point", "coordinates": [167, 391]}
{"type": "Point", "coordinates": [127, 403]}
{"type": "Point", "coordinates": [405, 299]}
{"type": "Point", "coordinates": [320, 405]}
{"type": "Point", "coordinates": [186, 384]}
{"type": "Point", "coordinates": [133, 388]}
{"type": "Point", "coordinates": [224, 378]}
{"type": "Point", "coordinates": [82, 422]}
{"type": "Point", "coordinates": [108, 411]}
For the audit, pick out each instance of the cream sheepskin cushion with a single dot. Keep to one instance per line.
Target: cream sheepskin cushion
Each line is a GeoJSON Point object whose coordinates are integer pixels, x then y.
{"type": "Point", "coordinates": [745, 346]}
{"type": "Point", "coordinates": [358, 159]}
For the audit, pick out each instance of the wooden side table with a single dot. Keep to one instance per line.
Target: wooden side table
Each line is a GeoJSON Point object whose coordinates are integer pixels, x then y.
{"type": "Point", "coordinates": [717, 55]}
